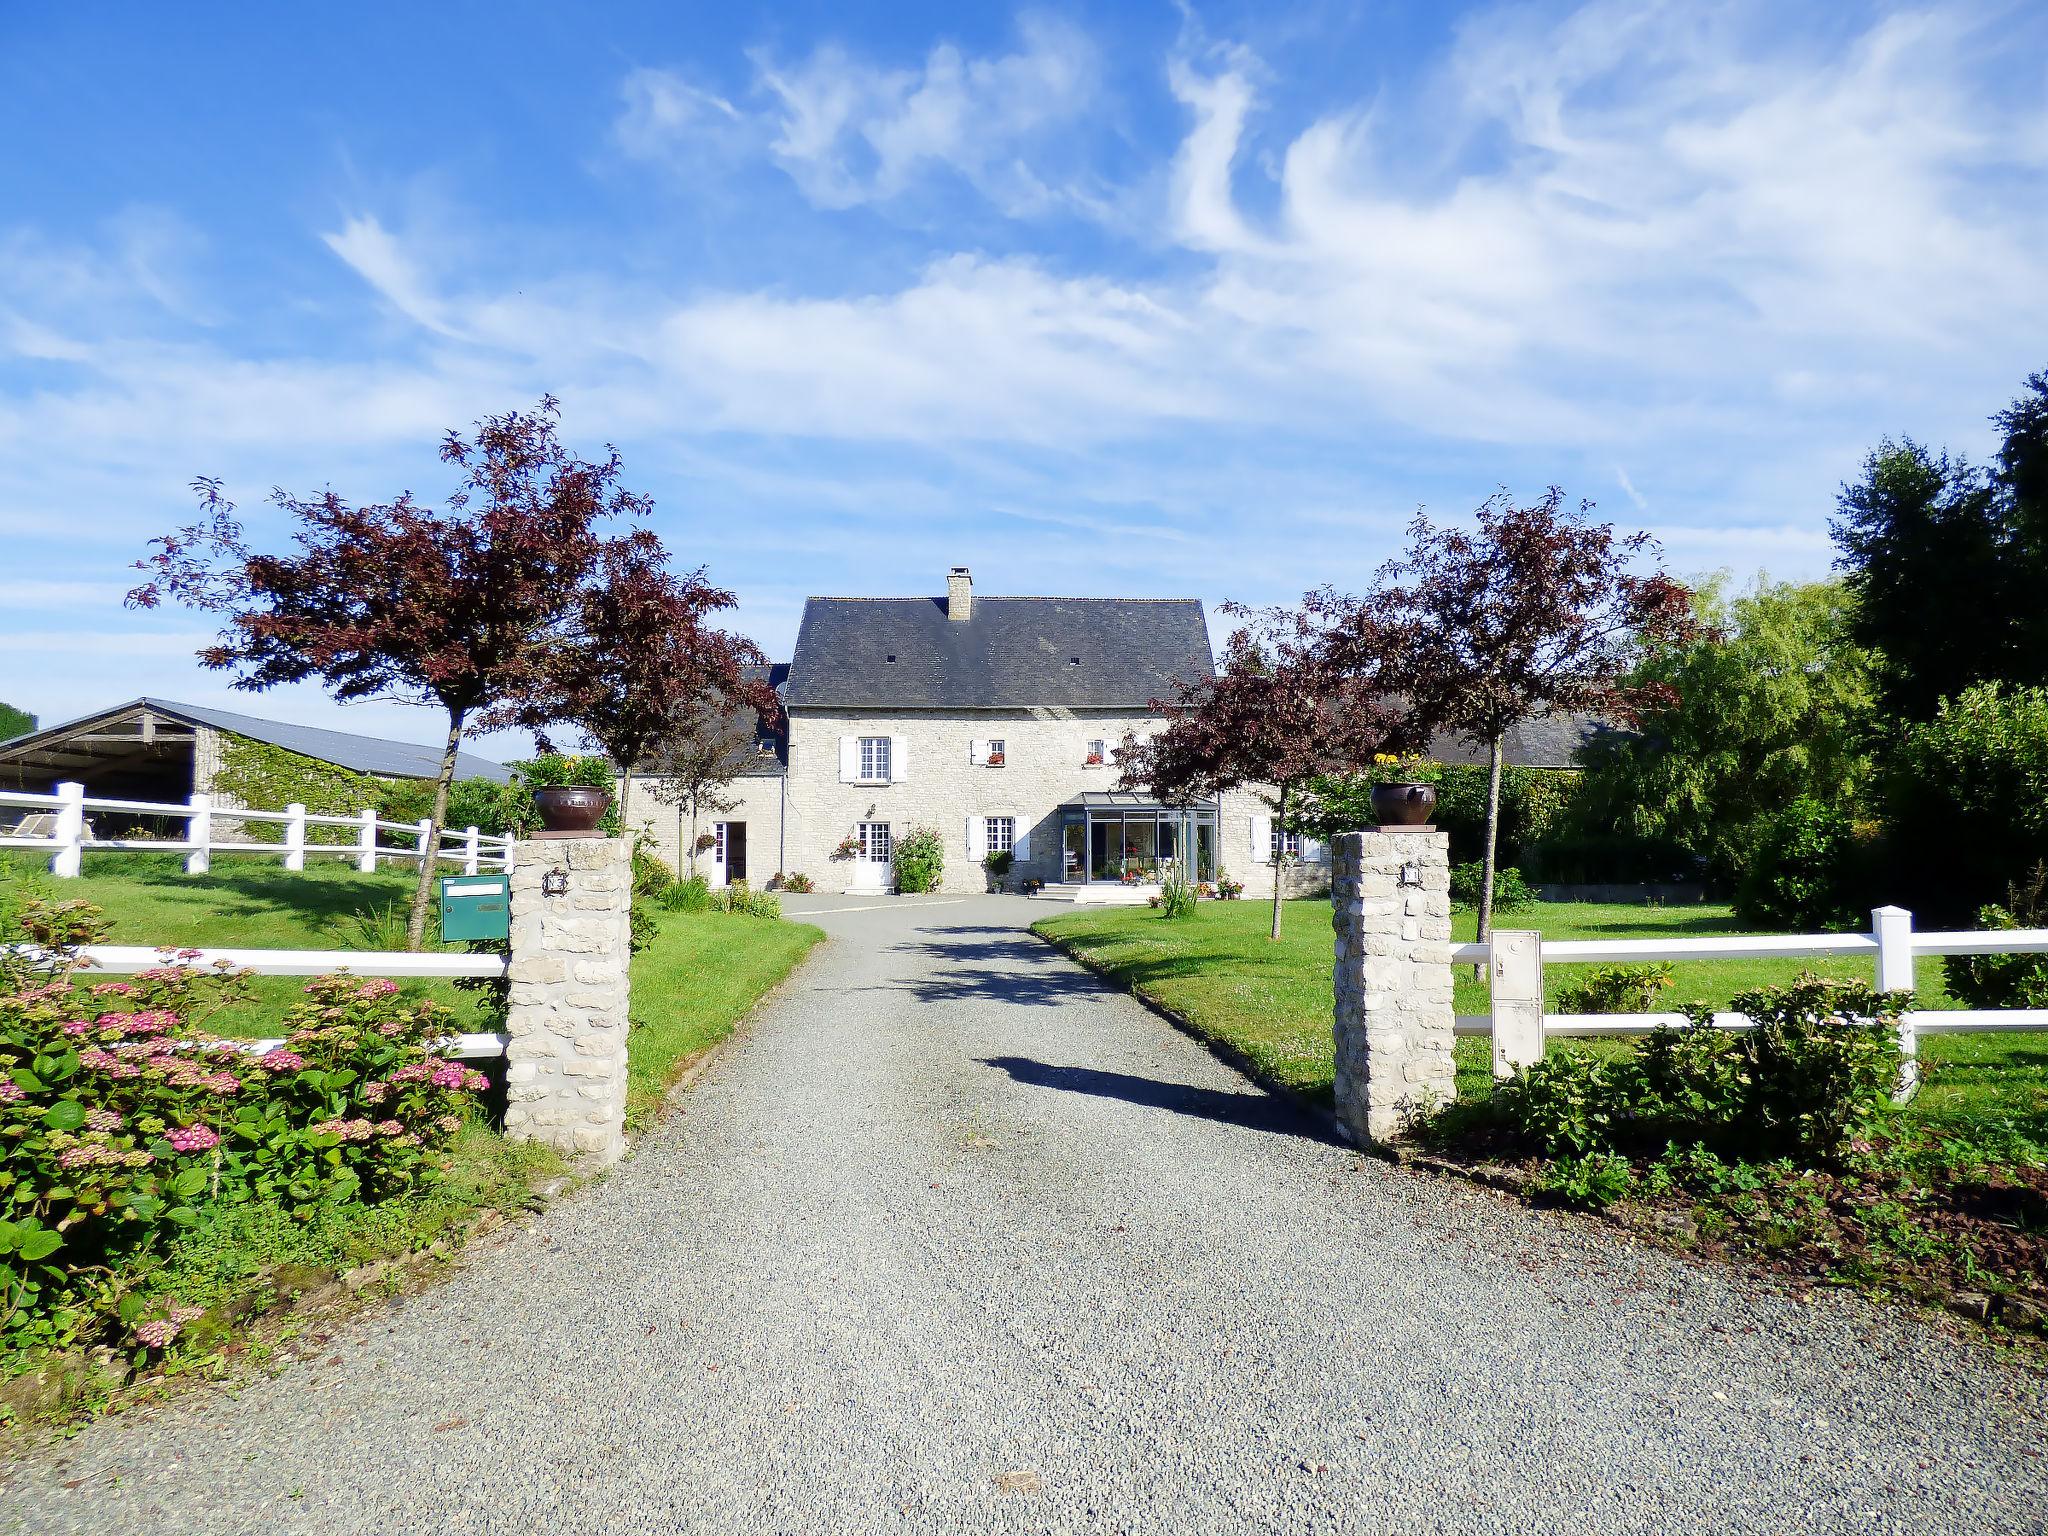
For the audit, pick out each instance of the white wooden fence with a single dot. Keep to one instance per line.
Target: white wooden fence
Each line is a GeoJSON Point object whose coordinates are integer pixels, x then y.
{"type": "Point", "coordinates": [62, 825]}
{"type": "Point", "coordinates": [1519, 1026]}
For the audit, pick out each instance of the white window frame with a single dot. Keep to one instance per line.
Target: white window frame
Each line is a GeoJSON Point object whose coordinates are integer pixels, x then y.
{"type": "Point", "coordinates": [718, 847]}
{"type": "Point", "coordinates": [992, 749]}
{"type": "Point", "coordinates": [999, 834]}
{"type": "Point", "coordinates": [876, 759]}
{"type": "Point", "coordinates": [1095, 755]}
{"type": "Point", "coordinates": [877, 842]}
{"type": "Point", "coordinates": [1288, 843]}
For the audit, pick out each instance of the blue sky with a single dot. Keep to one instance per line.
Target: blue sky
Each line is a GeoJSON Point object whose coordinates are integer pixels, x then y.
{"type": "Point", "coordinates": [1145, 299]}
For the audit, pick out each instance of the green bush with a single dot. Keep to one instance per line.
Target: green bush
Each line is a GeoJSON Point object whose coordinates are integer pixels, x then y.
{"type": "Point", "coordinates": [495, 809]}
{"type": "Point", "coordinates": [920, 861]}
{"type": "Point", "coordinates": [651, 874]}
{"type": "Point", "coordinates": [741, 899]}
{"type": "Point", "coordinates": [1803, 873]}
{"type": "Point", "coordinates": [2006, 981]}
{"type": "Point", "coordinates": [798, 883]}
{"type": "Point", "coordinates": [1966, 800]}
{"type": "Point", "coordinates": [1511, 893]}
{"type": "Point", "coordinates": [691, 894]}
{"type": "Point", "coordinates": [1819, 1067]}
{"type": "Point", "coordinates": [1616, 989]}
{"type": "Point", "coordinates": [121, 1116]}
{"type": "Point", "coordinates": [1176, 895]}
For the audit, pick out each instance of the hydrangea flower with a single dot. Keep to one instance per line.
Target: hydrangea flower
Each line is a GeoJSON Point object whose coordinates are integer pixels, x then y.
{"type": "Point", "coordinates": [193, 1138]}
{"type": "Point", "coordinates": [10, 1091]}
{"type": "Point", "coordinates": [113, 989]}
{"type": "Point", "coordinates": [279, 1059]}
{"type": "Point", "coordinates": [102, 1120]}
{"type": "Point", "coordinates": [157, 1333]}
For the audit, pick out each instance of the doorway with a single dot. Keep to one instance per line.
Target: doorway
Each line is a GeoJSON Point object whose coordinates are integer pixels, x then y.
{"type": "Point", "coordinates": [732, 849]}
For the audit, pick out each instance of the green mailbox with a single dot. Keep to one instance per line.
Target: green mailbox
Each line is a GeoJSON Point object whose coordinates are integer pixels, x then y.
{"type": "Point", "coordinates": [476, 907]}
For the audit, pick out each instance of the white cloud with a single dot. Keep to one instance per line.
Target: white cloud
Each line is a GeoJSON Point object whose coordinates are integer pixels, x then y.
{"type": "Point", "coordinates": [849, 131]}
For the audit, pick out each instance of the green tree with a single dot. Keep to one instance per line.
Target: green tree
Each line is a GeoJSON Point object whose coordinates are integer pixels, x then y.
{"type": "Point", "coordinates": [1773, 703]}
{"type": "Point", "coordinates": [15, 722]}
{"type": "Point", "coordinates": [1947, 561]}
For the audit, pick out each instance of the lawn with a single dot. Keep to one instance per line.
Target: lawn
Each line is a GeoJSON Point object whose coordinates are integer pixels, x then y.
{"type": "Point", "coordinates": [1271, 1003]}
{"type": "Point", "coordinates": [702, 973]}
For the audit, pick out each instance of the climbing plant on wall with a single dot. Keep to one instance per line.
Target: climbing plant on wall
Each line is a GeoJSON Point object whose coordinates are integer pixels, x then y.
{"type": "Point", "coordinates": [265, 777]}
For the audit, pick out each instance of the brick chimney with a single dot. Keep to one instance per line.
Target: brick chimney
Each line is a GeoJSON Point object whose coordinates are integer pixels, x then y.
{"type": "Point", "coordinates": [959, 593]}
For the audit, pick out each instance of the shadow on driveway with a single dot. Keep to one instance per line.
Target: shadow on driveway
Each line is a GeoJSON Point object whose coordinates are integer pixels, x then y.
{"type": "Point", "coordinates": [1254, 1111]}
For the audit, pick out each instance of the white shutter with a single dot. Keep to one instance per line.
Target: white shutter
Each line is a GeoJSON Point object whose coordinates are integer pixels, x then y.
{"type": "Point", "coordinates": [977, 751]}
{"type": "Point", "coordinates": [977, 837]}
{"type": "Point", "coordinates": [1021, 850]}
{"type": "Point", "coordinates": [849, 759]}
{"type": "Point", "coordinates": [1262, 839]}
{"type": "Point", "coordinates": [899, 759]}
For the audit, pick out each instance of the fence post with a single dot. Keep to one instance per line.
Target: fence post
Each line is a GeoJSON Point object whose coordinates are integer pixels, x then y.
{"type": "Point", "coordinates": [510, 843]}
{"type": "Point", "coordinates": [1517, 1000]}
{"type": "Point", "coordinates": [470, 850]}
{"type": "Point", "coordinates": [1893, 928]}
{"type": "Point", "coordinates": [294, 836]}
{"type": "Point", "coordinates": [1391, 895]}
{"type": "Point", "coordinates": [199, 833]}
{"type": "Point", "coordinates": [569, 1007]}
{"type": "Point", "coordinates": [366, 843]}
{"type": "Point", "coordinates": [431, 853]}
{"type": "Point", "coordinates": [70, 831]}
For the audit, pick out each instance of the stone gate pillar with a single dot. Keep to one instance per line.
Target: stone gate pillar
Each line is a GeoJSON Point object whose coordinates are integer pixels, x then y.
{"type": "Point", "coordinates": [571, 945]}
{"type": "Point", "coordinates": [1391, 891]}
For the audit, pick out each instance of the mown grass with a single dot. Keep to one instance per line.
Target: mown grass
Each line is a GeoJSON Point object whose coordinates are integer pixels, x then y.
{"type": "Point", "coordinates": [1272, 1003]}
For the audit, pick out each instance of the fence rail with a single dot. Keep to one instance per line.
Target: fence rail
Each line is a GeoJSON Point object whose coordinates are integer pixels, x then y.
{"type": "Point", "coordinates": [1518, 1025]}
{"type": "Point", "coordinates": [70, 834]}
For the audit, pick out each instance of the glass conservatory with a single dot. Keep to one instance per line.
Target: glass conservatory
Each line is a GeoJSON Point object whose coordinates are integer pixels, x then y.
{"type": "Point", "coordinates": [1127, 839]}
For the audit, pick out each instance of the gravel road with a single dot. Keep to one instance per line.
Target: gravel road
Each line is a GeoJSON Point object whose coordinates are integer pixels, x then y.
{"type": "Point", "coordinates": [953, 1239]}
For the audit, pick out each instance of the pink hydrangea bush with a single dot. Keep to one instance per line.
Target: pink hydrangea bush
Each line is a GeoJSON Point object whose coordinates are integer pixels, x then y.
{"type": "Point", "coordinates": [120, 1114]}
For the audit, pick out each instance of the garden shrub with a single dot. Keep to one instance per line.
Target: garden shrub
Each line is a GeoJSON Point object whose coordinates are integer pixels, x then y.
{"type": "Point", "coordinates": [497, 809]}
{"type": "Point", "coordinates": [920, 860]}
{"type": "Point", "coordinates": [1511, 893]}
{"type": "Point", "coordinates": [1801, 873]}
{"type": "Point", "coordinates": [1616, 989]}
{"type": "Point", "coordinates": [742, 900]}
{"type": "Point", "coordinates": [2006, 981]}
{"type": "Point", "coordinates": [121, 1116]}
{"type": "Point", "coordinates": [651, 874]}
{"type": "Point", "coordinates": [798, 883]}
{"type": "Point", "coordinates": [1818, 1069]}
{"type": "Point", "coordinates": [1176, 895]}
{"type": "Point", "coordinates": [690, 894]}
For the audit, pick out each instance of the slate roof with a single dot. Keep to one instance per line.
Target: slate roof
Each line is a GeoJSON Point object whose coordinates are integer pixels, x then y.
{"type": "Point", "coordinates": [1547, 741]}
{"type": "Point", "coordinates": [364, 754]}
{"type": "Point", "coordinates": [1014, 652]}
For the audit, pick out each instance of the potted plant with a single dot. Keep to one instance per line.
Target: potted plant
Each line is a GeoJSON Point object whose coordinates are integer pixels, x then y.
{"type": "Point", "coordinates": [571, 794]}
{"type": "Point", "coordinates": [1228, 889]}
{"type": "Point", "coordinates": [1403, 805]}
{"type": "Point", "coordinates": [1094, 760]}
{"type": "Point", "coordinates": [995, 759]}
{"type": "Point", "coordinates": [997, 862]}
{"type": "Point", "coordinates": [849, 847]}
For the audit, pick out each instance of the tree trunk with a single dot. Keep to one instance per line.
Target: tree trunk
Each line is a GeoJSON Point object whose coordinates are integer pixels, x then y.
{"type": "Point", "coordinates": [1492, 836]}
{"type": "Point", "coordinates": [422, 891]}
{"type": "Point", "coordinates": [1279, 859]}
{"type": "Point", "coordinates": [625, 799]}
{"type": "Point", "coordinates": [693, 837]}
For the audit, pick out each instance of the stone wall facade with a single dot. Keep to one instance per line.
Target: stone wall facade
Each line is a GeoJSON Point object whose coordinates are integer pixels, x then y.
{"type": "Point", "coordinates": [568, 1020]}
{"type": "Point", "coordinates": [1391, 895]}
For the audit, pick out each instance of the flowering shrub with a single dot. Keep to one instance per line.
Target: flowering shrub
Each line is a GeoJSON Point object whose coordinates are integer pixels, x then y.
{"type": "Point", "coordinates": [798, 883]}
{"type": "Point", "coordinates": [120, 1113]}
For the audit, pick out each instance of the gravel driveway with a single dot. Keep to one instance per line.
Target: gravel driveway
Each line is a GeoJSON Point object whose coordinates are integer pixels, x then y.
{"type": "Point", "coordinates": [952, 1239]}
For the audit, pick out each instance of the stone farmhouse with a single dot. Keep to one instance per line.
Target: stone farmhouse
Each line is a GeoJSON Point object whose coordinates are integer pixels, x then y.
{"type": "Point", "coordinates": [994, 721]}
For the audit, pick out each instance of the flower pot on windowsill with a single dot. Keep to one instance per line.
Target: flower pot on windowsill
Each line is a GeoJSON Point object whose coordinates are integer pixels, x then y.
{"type": "Point", "coordinates": [1403, 805]}
{"type": "Point", "coordinates": [571, 808]}
{"type": "Point", "coordinates": [995, 759]}
{"type": "Point", "coordinates": [1093, 762]}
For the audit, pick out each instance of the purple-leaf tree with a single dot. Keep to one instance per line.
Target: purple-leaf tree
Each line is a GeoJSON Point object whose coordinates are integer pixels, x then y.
{"type": "Point", "coordinates": [465, 608]}
{"type": "Point", "coordinates": [1279, 711]}
{"type": "Point", "coordinates": [1534, 610]}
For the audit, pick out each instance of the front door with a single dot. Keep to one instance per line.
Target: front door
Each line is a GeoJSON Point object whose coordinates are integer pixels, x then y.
{"type": "Point", "coordinates": [877, 851]}
{"type": "Point", "coordinates": [735, 850]}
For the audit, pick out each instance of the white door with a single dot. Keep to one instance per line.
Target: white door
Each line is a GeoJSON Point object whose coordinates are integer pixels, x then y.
{"type": "Point", "coordinates": [871, 870]}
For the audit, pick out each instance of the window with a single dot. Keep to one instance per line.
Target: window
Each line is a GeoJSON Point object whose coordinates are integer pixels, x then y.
{"type": "Point", "coordinates": [876, 846]}
{"type": "Point", "coordinates": [1287, 843]}
{"type": "Point", "coordinates": [874, 759]}
{"type": "Point", "coordinates": [1096, 754]}
{"type": "Point", "coordinates": [1002, 834]}
{"type": "Point", "coordinates": [766, 746]}
{"type": "Point", "coordinates": [995, 752]}
{"type": "Point", "coordinates": [718, 835]}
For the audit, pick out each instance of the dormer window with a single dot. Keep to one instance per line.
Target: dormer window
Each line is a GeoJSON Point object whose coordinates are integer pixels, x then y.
{"type": "Point", "coordinates": [1073, 661]}
{"type": "Point", "coordinates": [891, 657]}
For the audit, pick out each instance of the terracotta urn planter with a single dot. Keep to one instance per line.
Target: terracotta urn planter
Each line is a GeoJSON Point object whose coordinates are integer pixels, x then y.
{"type": "Point", "coordinates": [1403, 805]}
{"type": "Point", "coordinates": [571, 807]}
